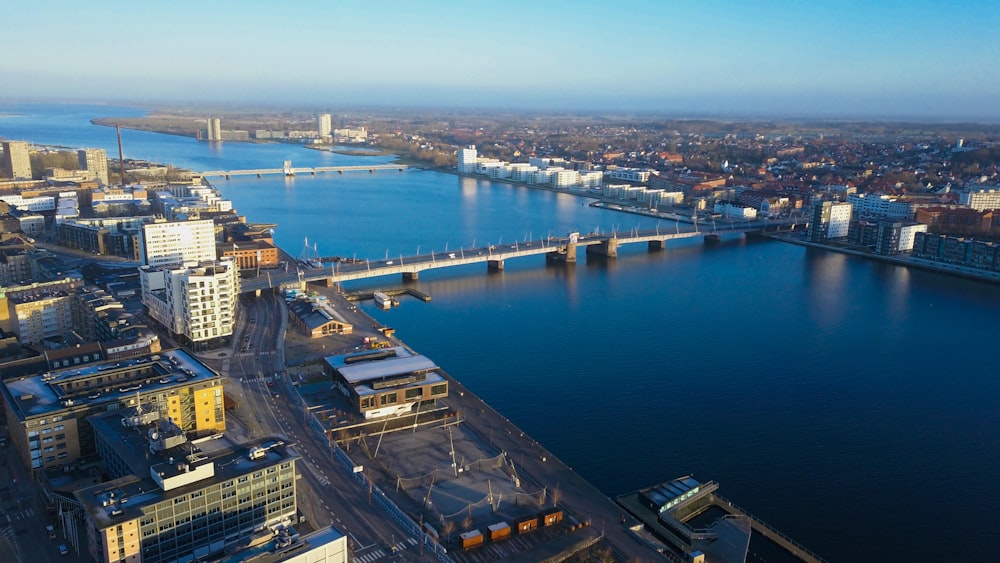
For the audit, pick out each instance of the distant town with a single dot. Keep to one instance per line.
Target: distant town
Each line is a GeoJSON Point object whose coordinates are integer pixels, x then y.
{"type": "Point", "coordinates": [176, 387]}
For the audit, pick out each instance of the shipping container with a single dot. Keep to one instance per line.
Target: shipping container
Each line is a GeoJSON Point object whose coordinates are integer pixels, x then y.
{"type": "Point", "coordinates": [526, 524]}
{"type": "Point", "coordinates": [471, 539]}
{"type": "Point", "coordinates": [552, 517]}
{"type": "Point", "coordinates": [499, 531]}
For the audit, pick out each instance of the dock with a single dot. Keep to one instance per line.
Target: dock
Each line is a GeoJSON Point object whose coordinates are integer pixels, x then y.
{"type": "Point", "coordinates": [370, 295]}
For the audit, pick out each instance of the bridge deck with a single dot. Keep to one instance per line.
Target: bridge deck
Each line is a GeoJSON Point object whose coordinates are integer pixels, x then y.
{"type": "Point", "coordinates": [495, 254]}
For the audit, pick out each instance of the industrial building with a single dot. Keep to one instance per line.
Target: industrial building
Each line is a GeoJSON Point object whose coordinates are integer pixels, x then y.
{"type": "Point", "coordinates": [46, 413]}
{"type": "Point", "coordinates": [386, 381]}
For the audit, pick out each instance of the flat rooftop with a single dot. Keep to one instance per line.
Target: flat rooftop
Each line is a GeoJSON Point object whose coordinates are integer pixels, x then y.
{"type": "Point", "coordinates": [103, 382]}
{"type": "Point", "coordinates": [124, 498]}
{"type": "Point", "coordinates": [370, 365]}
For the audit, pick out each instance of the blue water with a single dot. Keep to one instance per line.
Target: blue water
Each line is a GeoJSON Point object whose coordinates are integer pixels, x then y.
{"type": "Point", "coordinates": [849, 403]}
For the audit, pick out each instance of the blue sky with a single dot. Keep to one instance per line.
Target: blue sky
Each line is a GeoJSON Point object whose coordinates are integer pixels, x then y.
{"type": "Point", "coordinates": [868, 59]}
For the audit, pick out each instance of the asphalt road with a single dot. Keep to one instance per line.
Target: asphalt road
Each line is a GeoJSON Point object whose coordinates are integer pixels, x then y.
{"type": "Point", "coordinates": [326, 494]}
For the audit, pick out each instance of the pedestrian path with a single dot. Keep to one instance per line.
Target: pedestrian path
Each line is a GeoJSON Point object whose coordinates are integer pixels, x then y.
{"type": "Point", "coordinates": [20, 515]}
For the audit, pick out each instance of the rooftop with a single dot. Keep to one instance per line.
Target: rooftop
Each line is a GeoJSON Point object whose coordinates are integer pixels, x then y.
{"type": "Point", "coordinates": [125, 497]}
{"type": "Point", "coordinates": [103, 382]}
{"type": "Point", "coordinates": [359, 367]}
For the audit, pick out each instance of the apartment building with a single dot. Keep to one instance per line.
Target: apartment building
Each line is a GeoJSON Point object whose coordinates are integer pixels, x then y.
{"type": "Point", "coordinates": [177, 243]}
{"type": "Point", "coordinates": [198, 304]}
{"type": "Point", "coordinates": [95, 162]}
{"type": "Point", "coordinates": [17, 159]}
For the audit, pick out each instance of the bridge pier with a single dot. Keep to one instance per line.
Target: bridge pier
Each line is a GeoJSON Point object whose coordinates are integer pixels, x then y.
{"type": "Point", "coordinates": [608, 248]}
{"type": "Point", "coordinates": [566, 254]}
{"type": "Point", "coordinates": [494, 265]}
{"type": "Point", "coordinates": [410, 276]}
{"type": "Point", "coordinates": [712, 238]}
{"type": "Point", "coordinates": [655, 245]}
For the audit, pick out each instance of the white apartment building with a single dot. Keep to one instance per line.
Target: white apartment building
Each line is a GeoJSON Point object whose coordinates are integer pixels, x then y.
{"type": "Point", "coordinates": [196, 304]}
{"type": "Point", "coordinates": [214, 129]}
{"type": "Point", "coordinates": [980, 200]}
{"type": "Point", "coordinates": [324, 124]}
{"type": "Point", "coordinates": [872, 205]}
{"type": "Point", "coordinates": [830, 220]}
{"type": "Point", "coordinates": [732, 211]}
{"type": "Point", "coordinates": [17, 159]}
{"type": "Point", "coordinates": [629, 174]}
{"type": "Point", "coordinates": [39, 203]}
{"type": "Point", "coordinates": [565, 178]}
{"type": "Point", "coordinates": [95, 162]}
{"type": "Point", "coordinates": [177, 243]}
{"type": "Point", "coordinates": [467, 159]}
{"type": "Point", "coordinates": [908, 234]}
{"type": "Point", "coordinates": [591, 179]}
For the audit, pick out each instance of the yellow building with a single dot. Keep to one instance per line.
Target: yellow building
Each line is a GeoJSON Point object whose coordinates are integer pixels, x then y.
{"type": "Point", "coordinates": [45, 412]}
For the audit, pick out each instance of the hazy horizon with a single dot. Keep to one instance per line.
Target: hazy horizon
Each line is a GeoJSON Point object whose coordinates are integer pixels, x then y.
{"type": "Point", "coordinates": [894, 60]}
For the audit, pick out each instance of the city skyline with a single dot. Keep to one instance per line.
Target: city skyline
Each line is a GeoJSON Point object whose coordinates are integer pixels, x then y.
{"type": "Point", "coordinates": [893, 60]}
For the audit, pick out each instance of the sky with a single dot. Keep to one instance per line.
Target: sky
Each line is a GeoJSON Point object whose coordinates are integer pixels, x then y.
{"type": "Point", "coordinates": [876, 59]}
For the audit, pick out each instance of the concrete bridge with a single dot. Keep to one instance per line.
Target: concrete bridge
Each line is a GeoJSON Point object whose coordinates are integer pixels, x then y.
{"type": "Point", "coordinates": [288, 170]}
{"type": "Point", "coordinates": [555, 249]}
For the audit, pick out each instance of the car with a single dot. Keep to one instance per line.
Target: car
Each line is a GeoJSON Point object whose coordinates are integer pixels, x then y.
{"type": "Point", "coordinates": [63, 550]}
{"type": "Point", "coordinates": [388, 262]}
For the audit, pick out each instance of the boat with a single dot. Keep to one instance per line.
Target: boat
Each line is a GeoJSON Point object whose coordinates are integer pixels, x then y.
{"type": "Point", "coordinates": [382, 300]}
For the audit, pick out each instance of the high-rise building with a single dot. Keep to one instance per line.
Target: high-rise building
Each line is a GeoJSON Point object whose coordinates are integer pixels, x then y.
{"type": "Point", "coordinates": [467, 160]}
{"type": "Point", "coordinates": [830, 220]}
{"type": "Point", "coordinates": [324, 124]}
{"type": "Point", "coordinates": [95, 162]}
{"type": "Point", "coordinates": [197, 305]}
{"type": "Point", "coordinates": [214, 129]}
{"type": "Point", "coordinates": [177, 243]}
{"type": "Point", "coordinates": [40, 316]}
{"type": "Point", "coordinates": [17, 159]}
{"type": "Point", "coordinates": [172, 501]}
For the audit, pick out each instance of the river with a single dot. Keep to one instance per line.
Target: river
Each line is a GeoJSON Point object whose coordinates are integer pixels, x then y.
{"type": "Point", "coordinates": [849, 403]}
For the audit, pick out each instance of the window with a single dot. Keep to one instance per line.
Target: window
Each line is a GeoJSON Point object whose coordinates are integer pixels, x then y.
{"type": "Point", "coordinates": [439, 389]}
{"type": "Point", "coordinates": [414, 393]}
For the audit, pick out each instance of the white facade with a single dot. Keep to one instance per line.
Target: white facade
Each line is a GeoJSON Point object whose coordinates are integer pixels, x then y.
{"type": "Point", "coordinates": [565, 178]}
{"type": "Point", "coordinates": [980, 200]}
{"type": "Point", "coordinates": [95, 162]}
{"type": "Point", "coordinates": [324, 124]}
{"type": "Point", "coordinates": [629, 175]}
{"type": "Point", "coordinates": [840, 220]}
{"type": "Point", "coordinates": [870, 205]}
{"type": "Point", "coordinates": [40, 203]}
{"type": "Point", "coordinates": [177, 243]}
{"type": "Point", "coordinates": [736, 211]}
{"type": "Point", "coordinates": [197, 303]}
{"type": "Point", "coordinates": [214, 129]}
{"type": "Point", "coordinates": [467, 159]}
{"type": "Point", "coordinates": [17, 159]}
{"type": "Point", "coordinates": [591, 179]}
{"type": "Point", "coordinates": [908, 234]}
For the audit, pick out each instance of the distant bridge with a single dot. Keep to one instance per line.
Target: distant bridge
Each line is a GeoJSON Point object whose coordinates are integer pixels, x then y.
{"type": "Point", "coordinates": [289, 171]}
{"type": "Point", "coordinates": [555, 249]}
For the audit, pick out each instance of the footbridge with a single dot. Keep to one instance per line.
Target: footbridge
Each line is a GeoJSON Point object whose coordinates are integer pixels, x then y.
{"type": "Point", "coordinates": [288, 170]}
{"type": "Point", "coordinates": [555, 249]}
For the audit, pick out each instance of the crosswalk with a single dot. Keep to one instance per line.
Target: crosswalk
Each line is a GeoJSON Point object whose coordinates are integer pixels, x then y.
{"type": "Point", "coordinates": [380, 553]}
{"type": "Point", "coordinates": [253, 354]}
{"type": "Point", "coordinates": [262, 379]}
{"type": "Point", "coordinates": [20, 515]}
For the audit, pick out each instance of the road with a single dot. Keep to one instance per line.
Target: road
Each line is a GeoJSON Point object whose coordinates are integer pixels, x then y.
{"type": "Point", "coordinates": [326, 494]}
